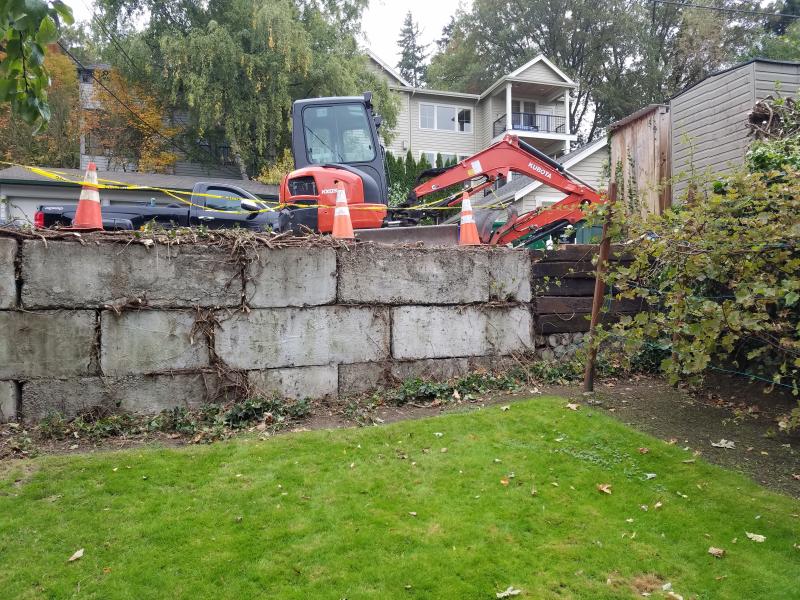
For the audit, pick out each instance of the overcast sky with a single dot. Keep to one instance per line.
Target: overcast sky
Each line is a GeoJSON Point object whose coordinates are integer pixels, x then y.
{"type": "Point", "coordinates": [381, 22]}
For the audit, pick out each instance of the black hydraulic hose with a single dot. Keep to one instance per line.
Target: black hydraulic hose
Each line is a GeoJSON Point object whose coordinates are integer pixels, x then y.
{"type": "Point", "coordinates": [541, 156]}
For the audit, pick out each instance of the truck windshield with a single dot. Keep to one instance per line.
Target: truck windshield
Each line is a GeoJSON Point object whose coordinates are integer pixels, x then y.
{"type": "Point", "coordinates": [339, 133]}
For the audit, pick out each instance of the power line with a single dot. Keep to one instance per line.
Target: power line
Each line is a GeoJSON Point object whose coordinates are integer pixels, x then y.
{"type": "Point", "coordinates": [727, 10]}
{"type": "Point", "coordinates": [171, 141]}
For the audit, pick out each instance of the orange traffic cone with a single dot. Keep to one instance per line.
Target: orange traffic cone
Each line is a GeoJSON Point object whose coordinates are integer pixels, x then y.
{"type": "Point", "coordinates": [342, 225]}
{"type": "Point", "coordinates": [88, 216]}
{"type": "Point", "coordinates": [468, 232]}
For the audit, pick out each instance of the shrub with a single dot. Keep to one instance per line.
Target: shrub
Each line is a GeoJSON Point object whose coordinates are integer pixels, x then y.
{"type": "Point", "coordinates": [721, 275]}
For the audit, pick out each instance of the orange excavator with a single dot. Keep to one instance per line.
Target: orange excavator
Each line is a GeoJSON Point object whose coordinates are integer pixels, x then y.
{"type": "Point", "coordinates": [335, 145]}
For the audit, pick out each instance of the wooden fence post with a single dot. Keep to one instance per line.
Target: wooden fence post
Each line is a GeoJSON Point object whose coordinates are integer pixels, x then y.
{"type": "Point", "coordinates": [599, 289]}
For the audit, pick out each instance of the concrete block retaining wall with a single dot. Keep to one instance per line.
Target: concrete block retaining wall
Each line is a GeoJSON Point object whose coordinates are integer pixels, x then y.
{"type": "Point", "coordinates": [141, 328]}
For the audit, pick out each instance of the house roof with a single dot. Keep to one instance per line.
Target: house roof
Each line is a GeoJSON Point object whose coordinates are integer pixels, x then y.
{"type": "Point", "coordinates": [385, 66]}
{"type": "Point", "coordinates": [513, 76]}
{"type": "Point", "coordinates": [515, 73]}
{"type": "Point", "coordinates": [430, 92]}
{"type": "Point", "coordinates": [636, 115]}
{"type": "Point", "coordinates": [22, 176]}
{"type": "Point", "coordinates": [733, 68]}
{"type": "Point", "coordinates": [521, 185]}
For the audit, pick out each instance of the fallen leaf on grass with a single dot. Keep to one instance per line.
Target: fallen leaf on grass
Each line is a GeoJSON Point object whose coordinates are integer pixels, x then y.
{"type": "Point", "coordinates": [796, 476]}
{"type": "Point", "coordinates": [106, 570]}
{"type": "Point", "coordinates": [723, 443]}
{"type": "Point", "coordinates": [649, 476]}
{"type": "Point", "coordinates": [510, 591]}
{"type": "Point", "coordinates": [644, 450]}
{"type": "Point", "coordinates": [573, 406]}
{"type": "Point", "coordinates": [756, 537]}
{"type": "Point", "coordinates": [604, 488]}
{"type": "Point", "coordinates": [412, 513]}
{"type": "Point", "coordinates": [716, 552]}
{"type": "Point", "coordinates": [504, 481]}
{"type": "Point", "coordinates": [657, 505]}
{"type": "Point", "coordinates": [78, 554]}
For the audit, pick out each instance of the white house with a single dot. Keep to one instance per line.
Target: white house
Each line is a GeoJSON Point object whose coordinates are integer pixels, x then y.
{"type": "Point", "coordinates": [532, 102]}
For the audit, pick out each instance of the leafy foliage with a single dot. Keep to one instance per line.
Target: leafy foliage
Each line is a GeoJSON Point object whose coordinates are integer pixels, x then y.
{"type": "Point", "coordinates": [26, 29]}
{"type": "Point", "coordinates": [721, 275]}
{"type": "Point", "coordinates": [238, 66]}
{"type": "Point", "coordinates": [59, 144]}
{"type": "Point", "coordinates": [129, 125]}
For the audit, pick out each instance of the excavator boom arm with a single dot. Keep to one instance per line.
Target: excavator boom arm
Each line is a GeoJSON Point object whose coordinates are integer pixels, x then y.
{"type": "Point", "coordinates": [514, 155]}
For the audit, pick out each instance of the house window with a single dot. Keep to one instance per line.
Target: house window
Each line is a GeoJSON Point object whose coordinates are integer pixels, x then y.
{"type": "Point", "coordinates": [445, 118]}
{"type": "Point", "coordinates": [465, 120]}
{"type": "Point", "coordinates": [448, 158]}
{"type": "Point", "coordinates": [427, 116]}
{"type": "Point", "coordinates": [430, 157]}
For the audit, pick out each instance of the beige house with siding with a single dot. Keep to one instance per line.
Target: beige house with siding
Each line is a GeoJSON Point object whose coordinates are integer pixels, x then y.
{"type": "Point", "coordinates": [531, 102]}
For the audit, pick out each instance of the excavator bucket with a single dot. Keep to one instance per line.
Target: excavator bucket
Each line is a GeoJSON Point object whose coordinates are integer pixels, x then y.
{"type": "Point", "coordinates": [485, 219]}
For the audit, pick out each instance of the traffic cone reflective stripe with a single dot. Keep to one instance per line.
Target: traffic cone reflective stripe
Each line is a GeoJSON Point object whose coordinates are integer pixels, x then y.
{"type": "Point", "coordinates": [342, 225]}
{"type": "Point", "coordinates": [468, 232]}
{"type": "Point", "coordinates": [88, 216]}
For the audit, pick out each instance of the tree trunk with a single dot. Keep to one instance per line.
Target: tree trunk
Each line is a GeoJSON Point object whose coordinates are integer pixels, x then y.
{"type": "Point", "coordinates": [237, 157]}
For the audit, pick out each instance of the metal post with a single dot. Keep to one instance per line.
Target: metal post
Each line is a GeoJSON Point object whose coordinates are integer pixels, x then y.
{"type": "Point", "coordinates": [599, 289]}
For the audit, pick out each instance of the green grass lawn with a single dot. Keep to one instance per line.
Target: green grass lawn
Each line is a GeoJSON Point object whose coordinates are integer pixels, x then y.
{"type": "Point", "coordinates": [385, 512]}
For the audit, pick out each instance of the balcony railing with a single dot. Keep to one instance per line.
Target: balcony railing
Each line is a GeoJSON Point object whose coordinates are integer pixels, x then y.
{"type": "Point", "coordinates": [531, 122]}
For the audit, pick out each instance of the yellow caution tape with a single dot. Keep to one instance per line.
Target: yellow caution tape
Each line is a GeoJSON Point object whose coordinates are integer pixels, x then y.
{"type": "Point", "coordinates": [110, 184]}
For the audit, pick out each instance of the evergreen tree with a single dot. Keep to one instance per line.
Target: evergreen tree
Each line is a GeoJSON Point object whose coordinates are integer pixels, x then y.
{"type": "Point", "coordinates": [412, 53]}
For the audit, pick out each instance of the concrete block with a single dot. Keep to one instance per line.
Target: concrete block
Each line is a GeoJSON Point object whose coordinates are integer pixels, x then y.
{"type": "Point", "coordinates": [53, 343]}
{"type": "Point", "coordinates": [510, 275]}
{"type": "Point", "coordinates": [509, 330]}
{"type": "Point", "coordinates": [365, 377]}
{"type": "Point", "coordinates": [142, 394]}
{"type": "Point", "coordinates": [297, 383]}
{"type": "Point", "coordinates": [375, 274]}
{"type": "Point", "coordinates": [8, 284]}
{"type": "Point", "coordinates": [441, 332]}
{"type": "Point", "coordinates": [67, 274]}
{"type": "Point", "coordinates": [292, 277]}
{"type": "Point", "coordinates": [150, 341]}
{"type": "Point", "coordinates": [8, 401]}
{"type": "Point", "coordinates": [291, 337]}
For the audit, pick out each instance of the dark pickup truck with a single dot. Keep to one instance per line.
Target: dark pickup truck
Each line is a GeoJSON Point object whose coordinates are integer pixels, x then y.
{"type": "Point", "coordinates": [206, 212]}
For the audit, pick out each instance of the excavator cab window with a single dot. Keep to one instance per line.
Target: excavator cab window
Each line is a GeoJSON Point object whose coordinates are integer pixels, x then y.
{"type": "Point", "coordinates": [338, 133]}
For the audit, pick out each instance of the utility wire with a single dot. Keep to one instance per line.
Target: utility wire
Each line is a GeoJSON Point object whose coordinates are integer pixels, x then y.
{"type": "Point", "coordinates": [727, 10]}
{"type": "Point", "coordinates": [171, 141]}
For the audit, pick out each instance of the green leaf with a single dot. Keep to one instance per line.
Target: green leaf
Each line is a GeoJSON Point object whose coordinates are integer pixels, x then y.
{"type": "Point", "coordinates": [48, 31]}
{"type": "Point", "coordinates": [64, 11]}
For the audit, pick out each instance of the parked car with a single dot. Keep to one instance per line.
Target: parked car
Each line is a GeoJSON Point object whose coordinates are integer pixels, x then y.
{"type": "Point", "coordinates": [253, 213]}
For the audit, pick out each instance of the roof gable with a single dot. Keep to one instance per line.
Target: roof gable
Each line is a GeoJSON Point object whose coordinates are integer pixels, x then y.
{"type": "Point", "coordinates": [541, 69]}
{"type": "Point", "coordinates": [386, 69]}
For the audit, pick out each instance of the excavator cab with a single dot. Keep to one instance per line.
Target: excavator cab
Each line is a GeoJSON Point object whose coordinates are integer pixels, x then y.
{"type": "Point", "coordinates": [335, 144]}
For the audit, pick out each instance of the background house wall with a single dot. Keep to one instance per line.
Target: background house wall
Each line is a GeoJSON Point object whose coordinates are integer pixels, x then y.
{"type": "Point", "coordinates": [709, 120]}
{"type": "Point", "coordinates": [435, 140]}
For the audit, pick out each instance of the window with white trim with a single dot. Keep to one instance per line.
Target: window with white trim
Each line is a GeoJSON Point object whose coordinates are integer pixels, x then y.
{"type": "Point", "coordinates": [443, 117]}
